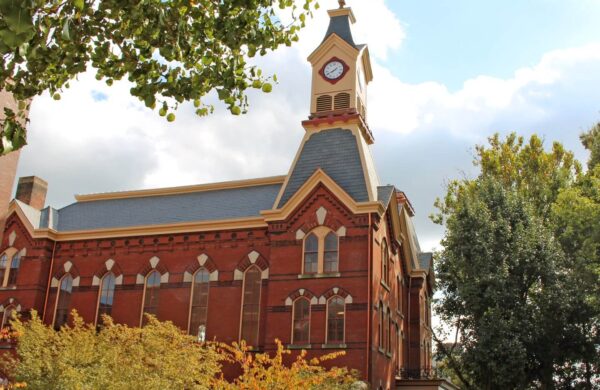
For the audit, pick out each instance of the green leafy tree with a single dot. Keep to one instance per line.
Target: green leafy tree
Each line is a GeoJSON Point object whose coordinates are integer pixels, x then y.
{"type": "Point", "coordinates": [510, 290]}
{"type": "Point", "coordinates": [170, 50]}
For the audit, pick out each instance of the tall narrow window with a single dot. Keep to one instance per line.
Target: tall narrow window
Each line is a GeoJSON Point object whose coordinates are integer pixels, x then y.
{"type": "Point", "coordinates": [301, 330]}
{"type": "Point", "coordinates": [7, 316]}
{"type": "Point", "coordinates": [399, 350]}
{"type": "Point", "coordinates": [386, 332]}
{"type": "Point", "coordinates": [151, 291]}
{"type": "Point", "coordinates": [311, 254]}
{"type": "Point", "coordinates": [399, 295]}
{"type": "Point", "coordinates": [331, 253]}
{"type": "Point", "coordinates": [107, 294]}
{"type": "Point", "coordinates": [199, 302]}
{"type": "Point", "coordinates": [14, 269]}
{"type": "Point", "coordinates": [384, 263]}
{"type": "Point", "coordinates": [63, 301]}
{"type": "Point", "coordinates": [251, 306]}
{"type": "Point", "coordinates": [3, 266]}
{"type": "Point", "coordinates": [381, 343]}
{"type": "Point", "coordinates": [389, 331]}
{"type": "Point", "coordinates": [336, 311]}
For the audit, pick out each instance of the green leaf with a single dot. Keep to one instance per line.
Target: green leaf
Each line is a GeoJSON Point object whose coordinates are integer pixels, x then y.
{"type": "Point", "coordinates": [65, 31]}
{"type": "Point", "coordinates": [78, 4]}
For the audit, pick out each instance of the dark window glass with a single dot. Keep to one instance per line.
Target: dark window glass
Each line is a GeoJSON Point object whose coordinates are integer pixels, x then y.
{"type": "Point", "coordinates": [251, 306]}
{"type": "Point", "coordinates": [301, 331]}
{"type": "Point", "coordinates": [14, 269]}
{"type": "Point", "coordinates": [385, 263]}
{"type": "Point", "coordinates": [64, 301]}
{"type": "Point", "coordinates": [335, 320]}
{"type": "Point", "coordinates": [107, 294]}
{"type": "Point", "coordinates": [199, 311]}
{"type": "Point", "coordinates": [3, 265]}
{"type": "Point", "coordinates": [311, 254]}
{"type": "Point", "coordinates": [331, 253]}
{"type": "Point", "coordinates": [151, 295]}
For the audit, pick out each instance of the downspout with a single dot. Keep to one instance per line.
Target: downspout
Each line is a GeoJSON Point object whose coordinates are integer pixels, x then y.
{"type": "Point", "coordinates": [369, 285]}
{"type": "Point", "coordinates": [49, 280]}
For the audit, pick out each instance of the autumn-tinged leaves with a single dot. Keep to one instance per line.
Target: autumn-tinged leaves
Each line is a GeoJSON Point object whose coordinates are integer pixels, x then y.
{"type": "Point", "coordinates": [172, 51]}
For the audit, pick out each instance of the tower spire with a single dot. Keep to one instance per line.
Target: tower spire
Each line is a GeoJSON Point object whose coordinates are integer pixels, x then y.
{"type": "Point", "coordinates": [342, 3]}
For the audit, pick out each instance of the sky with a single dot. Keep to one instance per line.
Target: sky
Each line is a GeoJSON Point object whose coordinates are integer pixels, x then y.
{"type": "Point", "coordinates": [447, 75]}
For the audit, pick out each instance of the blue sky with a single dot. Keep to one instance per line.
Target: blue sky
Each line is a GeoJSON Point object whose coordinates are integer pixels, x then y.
{"type": "Point", "coordinates": [447, 74]}
{"type": "Point", "coordinates": [450, 41]}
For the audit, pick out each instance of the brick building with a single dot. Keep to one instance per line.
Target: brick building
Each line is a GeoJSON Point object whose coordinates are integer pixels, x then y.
{"type": "Point", "coordinates": [324, 258]}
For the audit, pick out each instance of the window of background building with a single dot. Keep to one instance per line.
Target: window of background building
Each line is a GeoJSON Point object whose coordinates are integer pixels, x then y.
{"type": "Point", "coordinates": [251, 306]}
{"type": "Point", "coordinates": [336, 312]}
{"type": "Point", "coordinates": [199, 302]}
{"type": "Point", "coordinates": [301, 321]}
{"type": "Point", "coordinates": [107, 294]}
{"type": "Point", "coordinates": [151, 295]}
{"type": "Point", "coordinates": [63, 301]}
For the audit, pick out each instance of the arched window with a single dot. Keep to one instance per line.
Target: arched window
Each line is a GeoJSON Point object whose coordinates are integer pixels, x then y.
{"type": "Point", "coordinates": [7, 316]}
{"type": "Point", "coordinates": [331, 253]}
{"type": "Point", "coordinates": [3, 266]}
{"type": "Point", "coordinates": [311, 254]}
{"type": "Point", "coordinates": [199, 304]}
{"type": "Point", "coordinates": [301, 321]}
{"type": "Point", "coordinates": [14, 269]}
{"type": "Point", "coordinates": [386, 331]}
{"type": "Point", "coordinates": [389, 345]}
{"type": "Point", "coordinates": [63, 301]}
{"type": "Point", "coordinates": [151, 290]}
{"type": "Point", "coordinates": [336, 312]}
{"type": "Point", "coordinates": [321, 252]}
{"type": "Point", "coordinates": [251, 306]}
{"type": "Point", "coordinates": [381, 331]}
{"type": "Point", "coordinates": [399, 295]}
{"type": "Point", "coordinates": [107, 294]}
{"type": "Point", "coordinates": [385, 274]}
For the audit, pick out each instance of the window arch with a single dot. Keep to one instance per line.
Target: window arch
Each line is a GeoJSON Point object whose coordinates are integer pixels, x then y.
{"type": "Point", "coordinates": [151, 295]}
{"type": "Point", "coordinates": [301, 321]}
{"type": "Point", "coordinates": [385, 263]}
{"type": "Point", "coordinates": [321, 251]}
{"type": "Point", "coordinates": [63, 301]}
{"type": "Point", "coordinates": [199, 304]}
{"type": "Point", "coordinates": [251, 306]}
{"type": "Point", "coordinates": [311, 254]}
{"type": "Point", "coordinates": [336, 313]}
{"type": "Point", "coordinates": [106, 296]}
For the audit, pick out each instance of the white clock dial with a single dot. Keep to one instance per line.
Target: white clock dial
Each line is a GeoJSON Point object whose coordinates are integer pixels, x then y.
{"type": "Point", "coordinates": [333, 70]}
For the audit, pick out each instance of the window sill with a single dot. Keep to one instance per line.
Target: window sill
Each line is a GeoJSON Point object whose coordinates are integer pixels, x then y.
{"type": "Point", "coordinates": [384, 285]}
{"type": "Point", "coordinates": [299, 346]}
{"type": "Point", "coordinates": [389, 355]}
{"type": "Point", "coordinates": [320, 276]}
{"type": "Point", "coordinates": [333, 346]}
{"type": "Point", "coordinates": [13, 287]}
{"type": "Point", "coordinates": [381, 350]}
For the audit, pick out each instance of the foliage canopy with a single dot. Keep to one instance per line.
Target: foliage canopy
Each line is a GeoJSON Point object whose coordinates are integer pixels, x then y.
{"type": "Point", "coordinates": [170, 50]}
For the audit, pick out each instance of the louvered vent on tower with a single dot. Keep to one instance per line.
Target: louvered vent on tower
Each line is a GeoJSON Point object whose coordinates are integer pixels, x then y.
{"type": "Point", "coordinates": [324, 103]}
{"type": "Point", "coordinates": [342, 100]}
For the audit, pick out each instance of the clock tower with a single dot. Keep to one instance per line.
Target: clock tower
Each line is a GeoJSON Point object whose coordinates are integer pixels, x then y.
{"type": "Point", "coordinates": [341, 71]}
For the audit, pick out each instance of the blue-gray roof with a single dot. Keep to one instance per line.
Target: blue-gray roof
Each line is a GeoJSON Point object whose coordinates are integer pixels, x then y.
{"type": "Point", "coordinates": [384, 194]}
{"type": "Point", "coordinates": [340, 25]}
{"type": "Point", "coordinates": [336, 152]}
{"type": "Point", "coordinates": [166, 209]}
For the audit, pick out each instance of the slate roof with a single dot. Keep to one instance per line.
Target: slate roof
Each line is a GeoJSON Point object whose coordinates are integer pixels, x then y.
{"type": "Point", "coordinates": [384, 194]}
{"type": "Point", "coordinates": [156, 210]}
{"type": "Point", "coordinates": [340, 25]}
{"type": "Point", "coordinates": [336, 153]}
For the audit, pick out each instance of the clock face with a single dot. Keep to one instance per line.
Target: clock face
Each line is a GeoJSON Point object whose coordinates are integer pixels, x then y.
{"type": "Point", "coordinates": [333, 70]}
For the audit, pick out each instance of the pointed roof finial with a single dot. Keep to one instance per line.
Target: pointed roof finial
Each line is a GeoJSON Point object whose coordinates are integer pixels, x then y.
{"type": "Point", "coordinates": [342, 3]}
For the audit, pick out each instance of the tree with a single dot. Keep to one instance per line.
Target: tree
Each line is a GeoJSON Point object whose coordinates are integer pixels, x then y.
{"type": "Point", "coordinates": [157, 356]}
{"type": "Point", "coordinates": [510, 289]}
{"type": "Point", "coordinates": [170, 50]}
